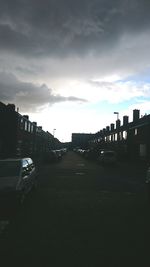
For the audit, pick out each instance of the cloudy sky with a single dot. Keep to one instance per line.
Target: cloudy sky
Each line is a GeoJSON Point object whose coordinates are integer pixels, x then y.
{"type": "Point", "coordinates": [70, 64]}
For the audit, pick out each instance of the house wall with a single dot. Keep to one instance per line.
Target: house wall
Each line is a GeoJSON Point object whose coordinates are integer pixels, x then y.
{"type": "Point", "coordinates": [19, 137]}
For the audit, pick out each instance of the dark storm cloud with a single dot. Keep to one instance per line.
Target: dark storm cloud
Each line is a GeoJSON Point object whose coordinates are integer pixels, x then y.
{"type": "Point", "coordinates": [28, 96]}
{"type": "Point", "coordinates": [60, 27]}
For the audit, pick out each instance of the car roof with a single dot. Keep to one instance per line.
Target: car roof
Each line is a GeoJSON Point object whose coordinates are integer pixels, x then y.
{"type": "Point", "coordinates": [10, 159]}
{"type": "Point", "coordinates": [15, 159]}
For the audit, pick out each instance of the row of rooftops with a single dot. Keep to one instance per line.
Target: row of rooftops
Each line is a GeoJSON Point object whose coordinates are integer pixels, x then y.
{"type": "Point", "coordinates": [12, 108]}
{"type": "Point", "coordinates": [137, 122]}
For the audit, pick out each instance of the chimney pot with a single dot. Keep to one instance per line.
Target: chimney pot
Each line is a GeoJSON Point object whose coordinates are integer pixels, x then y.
{"type": "Point", "coordinates": [26, 117]}
{"type": "Point", "coordinates": [117, 124]}
{"type": "Point", "coordinates": [11, 107]}
{"type": "Point", "coordinates": [125, 120]}
{"type": "Point", "coordinates": [136, 115]}
{"type": "Point", "coordinates": [112, 126]}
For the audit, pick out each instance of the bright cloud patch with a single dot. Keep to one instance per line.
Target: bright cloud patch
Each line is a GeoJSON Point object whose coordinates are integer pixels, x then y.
{"type": "Point", "coordinates": [111, 92]}
{"type": "Point", "coordinates": [29, 96]}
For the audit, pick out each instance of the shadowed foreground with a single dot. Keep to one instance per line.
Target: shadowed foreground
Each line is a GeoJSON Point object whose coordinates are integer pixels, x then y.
{"type": "Point", "coordinates": [82, 214]}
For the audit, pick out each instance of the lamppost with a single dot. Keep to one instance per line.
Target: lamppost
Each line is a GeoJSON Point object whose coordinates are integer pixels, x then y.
{"type": "Point", "coordinates": [117, 114]}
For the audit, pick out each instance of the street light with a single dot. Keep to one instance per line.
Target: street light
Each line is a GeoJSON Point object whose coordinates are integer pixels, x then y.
{"type": "Point", "coordinates": [117, 114]}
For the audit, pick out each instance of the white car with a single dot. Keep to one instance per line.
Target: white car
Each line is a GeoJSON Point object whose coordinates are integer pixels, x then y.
{"type": "Point", "coordinates": [17, 178]}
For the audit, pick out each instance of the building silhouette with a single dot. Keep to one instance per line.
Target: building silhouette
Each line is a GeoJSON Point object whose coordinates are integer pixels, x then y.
{"type": "Point", "coordinates": [19, 137]}
{"type": "Point", "coordinates": [131, 140]}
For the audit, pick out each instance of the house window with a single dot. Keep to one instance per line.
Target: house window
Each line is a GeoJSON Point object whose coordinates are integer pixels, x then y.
{"type": "Point", "coordinates": [21, 123]}
{"type": "Point", "coordinates": [29, 127]}
{"type": "Point", "coordinates": [120, 136]}
{"type": "Point", "coordinates": [143, 150]}
{"type": "Point", "coordinates": [135, 131]}
{"type": "Point", "coordinates": [26, 126]}
{"type": "Point", "coordinates": [125, 135]}
{"type": "Point", "coordinates": [108, 138]}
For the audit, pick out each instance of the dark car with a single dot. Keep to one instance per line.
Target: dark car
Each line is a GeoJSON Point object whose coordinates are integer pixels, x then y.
{"type": "Point", "coordinates": [58, 154]}
{"type": "Point", "coordinates": [50, 157]}
{"type": "Point", "coordinates": [17, 178]}
{"type": "Point", "coordinates": [107, 157]}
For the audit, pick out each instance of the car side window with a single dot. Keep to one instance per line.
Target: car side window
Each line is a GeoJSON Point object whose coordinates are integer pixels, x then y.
{"type": "Point", "coordinates": [25, 164]}
{"type": "Point", "coordinates": [31, 164]}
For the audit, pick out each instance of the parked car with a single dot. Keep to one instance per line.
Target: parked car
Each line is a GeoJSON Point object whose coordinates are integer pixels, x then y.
{"type": "Point", "coordinates": [17, 178]}
{"type": "Point", "coordinates": [92, 153]}
{"type": "Point", "coordinates": [107, 157]}
{"type": "Point", "coordinates": [58, 153]}
{"type": "Point", "coordinates": [63, 150]}
{"type": "Point", "coordinates": [50, 156]}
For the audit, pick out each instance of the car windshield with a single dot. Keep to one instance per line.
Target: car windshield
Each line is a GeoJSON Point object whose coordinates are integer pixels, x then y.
{"type": "Point", "coordinates": [9, 168]}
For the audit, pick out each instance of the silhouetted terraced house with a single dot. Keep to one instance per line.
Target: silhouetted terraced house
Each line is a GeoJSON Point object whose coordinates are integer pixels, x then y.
{"type": "Point", "coordinates": [139, 137]}
{"type": "Point", "coordinates": [8, 131]}
{"type": "Point", "coordinates": [130, 140]}
{"type": "Point", "coordinates": [19, 136]}
{"type": "Point", "coordinates": [25, 135]}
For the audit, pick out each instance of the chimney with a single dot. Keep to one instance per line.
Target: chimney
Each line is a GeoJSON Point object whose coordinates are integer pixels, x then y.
{"type": "Point", "coordinates": [107, 128]}
{"type": "Point", "coordinates": [104, 130]}
{"type": "Point", "coordinates": [39, 129]}
{"type": "Point", "coordinates": [112, 126]}
{"type": "Point", "coordinates": [125, 120]}
{"type": "Point", "coordinates": [117, 124]}
{"type": "Point", "coordinates": [101, 132]}
{"type": "Point", "coordinates": [136, 115]}
{"type": "Point", "coordinates": [26, 117]}
{"type": "Point", "coordinates": [11, 107]}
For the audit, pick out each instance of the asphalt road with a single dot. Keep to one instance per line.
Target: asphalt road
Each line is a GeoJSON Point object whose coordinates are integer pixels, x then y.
{"type": "Point", "coordinates": [82, 214]}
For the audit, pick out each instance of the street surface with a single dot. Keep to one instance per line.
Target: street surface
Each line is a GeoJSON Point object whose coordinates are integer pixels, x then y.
{"type": "Point", "coordinates": [81, 214]}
